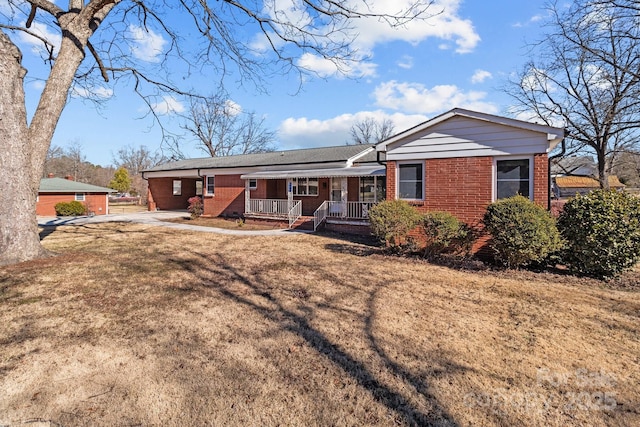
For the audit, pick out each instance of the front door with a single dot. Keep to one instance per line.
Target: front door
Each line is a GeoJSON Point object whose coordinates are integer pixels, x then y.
{"type": "Point", "coordinates": [338, 197]}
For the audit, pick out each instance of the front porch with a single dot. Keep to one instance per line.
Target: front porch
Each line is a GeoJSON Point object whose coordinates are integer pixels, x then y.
{"type": "Point", "coordinates": [350, 212]}
{"type": "Point", "coordinates": [324, 199]}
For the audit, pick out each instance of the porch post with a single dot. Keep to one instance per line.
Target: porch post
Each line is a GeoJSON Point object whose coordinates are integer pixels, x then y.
{"type": "Point", "coordinates": [247, 197]}
{"type": "Point", "coordinates": [289, 194]}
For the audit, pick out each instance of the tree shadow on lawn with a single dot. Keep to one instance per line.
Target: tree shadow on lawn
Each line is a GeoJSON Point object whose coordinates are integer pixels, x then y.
{"type": "Point", "coordinates": [259, 299]}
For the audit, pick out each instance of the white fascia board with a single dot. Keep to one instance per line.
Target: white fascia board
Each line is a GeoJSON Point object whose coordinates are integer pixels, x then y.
{"type": "Point", "coordinates": [351, 160]}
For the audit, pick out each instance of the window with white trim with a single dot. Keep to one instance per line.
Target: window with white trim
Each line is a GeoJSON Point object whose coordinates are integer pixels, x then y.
{"type": "Point", "coordinates": [513, 176]}
{"type": "Point", "coordinates": [305, 186]}
{"type": "Point", "coordinates": [411, 181]}
{"type": "Point", "coordinates": [177, 187]}
{"type": "Point", "coordinates": [198, 188]}
{"type": "Point", "coordinates": [372, 188]}
{"type": "Point", "coordinates": [80, 197]}
{"type": "Point", "coordinates": [211, 185]}
{"type": "Point", "coordinates": [253, 183]}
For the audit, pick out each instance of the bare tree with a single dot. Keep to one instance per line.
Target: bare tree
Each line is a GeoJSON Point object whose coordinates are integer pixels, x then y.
{"type": "Point", "coordinates": [221, 128]}
{"type": "Point", "coordinates": [371, 131]}
{"type": "Point", "coordinates": [586, 75]}
{"type": "Point", "coordinates": [69, 161]}
{"type": "Point", "coordinates": [135, 160]}
{"type": "Point", "coordinates": [88, 40]}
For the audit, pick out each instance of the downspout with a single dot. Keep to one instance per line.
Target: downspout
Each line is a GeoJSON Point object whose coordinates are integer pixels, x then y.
{"type": "Point", "coordinates": [562, 152]}
{"type": "Point", "coordinates": [382, 162]}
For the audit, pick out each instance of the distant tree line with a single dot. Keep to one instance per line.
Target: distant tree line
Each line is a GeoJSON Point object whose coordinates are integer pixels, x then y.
{"type": "Point", "coordinates": [71, 161]}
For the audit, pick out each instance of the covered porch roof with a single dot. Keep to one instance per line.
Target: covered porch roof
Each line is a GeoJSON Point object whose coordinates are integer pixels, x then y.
{"type": "Point", "coordinates": [376, 170]}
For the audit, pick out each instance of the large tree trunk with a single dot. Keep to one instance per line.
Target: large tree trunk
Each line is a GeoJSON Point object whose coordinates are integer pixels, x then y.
{"type": "Point", "coordinates": [24, 147]}
{"type": "Point", "coordinates": [19, 239]}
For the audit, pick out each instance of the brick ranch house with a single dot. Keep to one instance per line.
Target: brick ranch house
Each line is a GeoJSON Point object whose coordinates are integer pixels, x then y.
{"type": "Point", "coordinates": [55, 190]}
{"type": "Point", "coordinates": [459, 162]}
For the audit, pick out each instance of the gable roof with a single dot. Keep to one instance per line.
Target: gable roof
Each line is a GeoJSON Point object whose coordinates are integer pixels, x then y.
{"type": "Point", "coordinates": [574, 165]}
{"type": "Point", "coordinates": [60, 185]}
{"type": "Point", "coordinates": [361, 153]}
{"type": "Point", "coordinates": [553, 135]}
{"type": "Point", "coordinates": [585, 182]}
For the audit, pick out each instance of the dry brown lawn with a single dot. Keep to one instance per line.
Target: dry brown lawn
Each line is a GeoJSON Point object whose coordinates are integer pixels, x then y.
{"type": "Point", "coordinates": [139, 325]}
{"type": "Point", "coordinates": [229, 223]}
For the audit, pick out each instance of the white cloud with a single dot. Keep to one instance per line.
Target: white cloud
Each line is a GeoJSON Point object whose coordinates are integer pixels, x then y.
{"type": "Point", "coordinates": [445, 24]}
{"type": "Point", "coordinates": [95, 92]}
{"type": "Point", "coordinates": [148, 45]}
{"type": "Point", "coordinates": [406, 62]}
{"type": "Point", "coordinates": [327, 68]}
{"type": "Point", "coordinates": [232, 108]}
{"type": "Point", "coordinates": [364, 34]}
{"type": "Point", "coordinates": [416, 98]}
{"type": "Point", "coordinates": [168, 105]}
{"type": "Point", "coordinates": [303, 132]}
{"type": "Point", "coordinates": [479, 76]}
{"type": "Point", "coordinates": [36, 44]}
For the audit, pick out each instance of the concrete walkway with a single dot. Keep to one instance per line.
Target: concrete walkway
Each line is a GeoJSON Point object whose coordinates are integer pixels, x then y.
{"type": "Point", "coordinates": [158, 219]}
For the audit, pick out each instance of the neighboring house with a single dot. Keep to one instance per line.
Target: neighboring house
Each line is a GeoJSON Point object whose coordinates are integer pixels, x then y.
{"type": "Point", "coordinates": [573, 175]}
{"type": "Point", "coordinates": [569, 186]}
{"type": "Point", "coordinates": [460, 162]}
{"type": "Point", "coordinates": [55, 190]}
{"type": "Point", "coordinates": [574, 166]}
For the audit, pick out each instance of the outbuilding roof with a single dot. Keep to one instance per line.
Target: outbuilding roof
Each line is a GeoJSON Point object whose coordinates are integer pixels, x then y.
{"type": "Point", "coordinates": [585, 182]}
{"type": "Point", "coordinates": [361, 153]}
{"type": "Point", "coordinates": [60, 185]}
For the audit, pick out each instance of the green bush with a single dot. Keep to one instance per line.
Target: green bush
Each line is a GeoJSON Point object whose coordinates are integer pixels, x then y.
{"type": "Point", "coordinates": [522, 232]}
{"type": "Point", "coordinates": [392, 220]}
{"type": "Point", "coordinates": [602, 230]}
{"type": "Point", "coordinates": [73, 208]}
{"type": "Point", "coordinates": [445, 233]}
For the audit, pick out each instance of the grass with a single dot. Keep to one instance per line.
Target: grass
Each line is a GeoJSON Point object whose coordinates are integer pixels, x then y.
{"type": "Point", "coordinates": [230, 223]}
{"type": "Point", "coordinates": [138, 325]}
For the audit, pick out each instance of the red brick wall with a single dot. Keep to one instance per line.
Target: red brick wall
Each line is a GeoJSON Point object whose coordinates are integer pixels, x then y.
{"type": "Point", "coordinates": [45, 206]}
{"type": "Point", "coordinates": [228, 197]}
{"type": "Point", "coordinates": [161, 193]}
{"type": "Point", "coordinates": [464, 187]}
{"type": "Point", "coordinates": [541, 180]}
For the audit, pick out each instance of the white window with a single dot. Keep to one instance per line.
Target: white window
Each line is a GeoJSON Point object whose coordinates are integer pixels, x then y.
{"type": "Point", "coordinates": [305, 186]}
{"type": "Point", "coordinates": [513, 176]}
{"type": "Point", "coordinates": [80, 197]}
{"type": "Point", "coordinates": [253, 184]}
{"type": "Point", "coordinates": [211, 181]}
{"type": "Point", "coordinates": [372, 188]}
{"type": "Point", "coordinates": [177, 187]}
{"type": "Point", "coordinates": [198, 188]}
{"type": "Point", "coordinates": [411, 181]}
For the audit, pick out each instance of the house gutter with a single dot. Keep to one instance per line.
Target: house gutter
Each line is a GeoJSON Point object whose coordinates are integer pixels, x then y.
{"type": "Point", "coordinates": [562, 152]}
{"type": "Point", "coordinates": [381, 162]}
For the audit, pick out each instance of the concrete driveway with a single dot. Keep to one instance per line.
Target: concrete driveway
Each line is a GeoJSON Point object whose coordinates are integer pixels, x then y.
{"type": "Point", "coordinates": [157, 218]}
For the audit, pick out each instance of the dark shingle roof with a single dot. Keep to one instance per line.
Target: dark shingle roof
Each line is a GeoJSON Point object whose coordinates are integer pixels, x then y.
{"type": "Point", "coordinates": [289, 157]}
{"type": "Point", "coordinates": [59, 185]}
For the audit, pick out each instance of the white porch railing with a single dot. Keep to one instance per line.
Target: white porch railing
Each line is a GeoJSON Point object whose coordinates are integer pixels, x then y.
{"type": "Point", "coordinates": [276, 208]}
{"type": "Point", "coordinates": [320, 215]}
{"type": "Point", "coordinates": [342, 210]}
{"type": "Point", "coordinates": [295, 212]}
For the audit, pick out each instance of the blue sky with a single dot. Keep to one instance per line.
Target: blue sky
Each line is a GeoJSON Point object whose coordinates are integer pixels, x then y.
{"type": "Point", "coordinates": [460, 58]}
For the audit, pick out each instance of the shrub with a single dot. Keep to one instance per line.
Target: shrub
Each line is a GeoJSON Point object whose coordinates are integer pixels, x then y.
{"type": "Point", "coordinates": [73, 208]}
{"type": "Point", "coordinates": [392, 220]}
{"type": "Point", "coordinates": [195, 207]}
{"type": "Point", "coordinates": [521, 232]}
{"type": "Point", "coordinates": [445, 233]}
{"type": "Point", "coordinates": [602, 230]}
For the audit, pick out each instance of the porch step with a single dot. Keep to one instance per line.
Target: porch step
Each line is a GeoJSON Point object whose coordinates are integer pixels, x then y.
{"type": "Point", "coordinates": [303, 223]}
